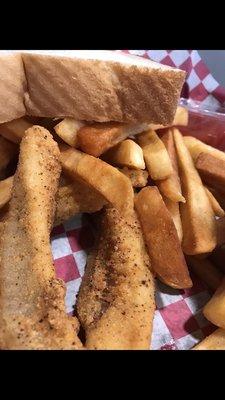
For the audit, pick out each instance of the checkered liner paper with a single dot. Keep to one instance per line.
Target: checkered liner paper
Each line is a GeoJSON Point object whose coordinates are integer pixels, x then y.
{"type": "Point", "coordinates": [178, 323]}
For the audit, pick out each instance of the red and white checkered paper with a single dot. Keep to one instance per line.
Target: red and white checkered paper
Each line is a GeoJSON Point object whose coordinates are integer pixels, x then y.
{"type": "Point", "coordinates": [178, 323]}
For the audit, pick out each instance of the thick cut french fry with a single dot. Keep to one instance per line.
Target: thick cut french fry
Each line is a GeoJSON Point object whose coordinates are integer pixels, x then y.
{"type": "Point", "coordinates": [126, 154]}
{"type": "Point", "coordinates": [161, 238]}
{"type": "Point", "coordinates": [215, 341]}
{"type": "Point", "coordinates": [174, 210]}
{"type": "Point", "coordinates": [96, 139]}
{"type": "Point", "coordinates": [218, 211]}
{"type": "Point", "coordinates": [155, 154]}
{"type": "Point", "coordinates": [180, 118]}
{"type": "Point", "coordinates": [138, 177]}
{"type": "Point", "coordinates": [106, 180]}
{"type": "Point", "coordinates": [196, 147]}
{"type": "Point", "coordinates": [67, 129]}
{"type": "Point", "coordinates": [197, 216]}
{"type": "Point", "coordinates": [76, 198]}
{"type": "Point", "coordinates": [171, 187]}
{"type": "Point", "coordinates": [5, 191]}
{"type": "Point", "coordinates": [211, 170]}
{"type": "Point", "coordinates": [7, 152]}
{"type": "Point", "coordinates": [214, 310]}
{"type": "Point", "coordinates": [14, 130]}
{"type": "Point", "coordinates": [206, 271]}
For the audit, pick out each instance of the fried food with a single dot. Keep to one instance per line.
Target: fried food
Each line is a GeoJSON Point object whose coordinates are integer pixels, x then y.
{"type": "Point", "coordinates": [72, 198]}
{"type": "Point", "coordinates": [214, 310]}
{"type": "Point", "coordinates": [14, 130]}
{"type": "Point", "coordinates": [218, 211]}
{"type": "Point", "coordinates": [211, 170]}
{"type": "Point", "coordinates": [7, 151]}
{"type": "Point", "coordinates": [197, 216]}
{"type": "Point", "coordinates": [95, 139]}
{"type": "Point", "coordinates": [180, 118]}
{"type": "Point", "coordinates": [5, 191]}
{"type": "Point", "coordinates": [75, 198]}
{"type": "Point", "coordinates": [126, 154]}
{"type": "Point", "coordinates": [138, 177]}
{"type": "Point", "coordinates": [106, 180]}
{"type": "Point", "coordinates": [156, 157]}
{"type": "Point", "coordinates": [162, 239]}
{"type": "Point", "coordinates": [171, 187]}
{"type": "Point", "coordinates": [32, 310]}
{"type": "Point", "coordinates": [206, 271]}
{"type": "Point", "coordinates": [174, 211]}
{"type": "Point", "coordinates": [215, 341]}
{"type": "Point", "coordinates": [116, 300]}
{"type": "Point", "coordinates": [67, 130]}
{"type": "Point", "coordinates": [196, 147]}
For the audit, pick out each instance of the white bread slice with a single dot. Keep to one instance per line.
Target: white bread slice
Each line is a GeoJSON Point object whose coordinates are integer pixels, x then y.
{"type": "Point", "coordinates": [100, 85]}
{"type": "Point", "coordinates": [12, 86]}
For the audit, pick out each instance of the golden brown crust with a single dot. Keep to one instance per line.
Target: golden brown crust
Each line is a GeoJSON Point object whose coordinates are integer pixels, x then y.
{"type": "Point", "coordinates": [76, 198]}
{"type": "Point", "coordinates": [116, 300]}
{"type": "Point", "coordinates": [101, 90]}
{"type": "Point", "coordinates": [32, 310]}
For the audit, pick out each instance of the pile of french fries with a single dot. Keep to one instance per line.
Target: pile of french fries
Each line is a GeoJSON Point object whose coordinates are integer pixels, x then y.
{"type": "Point", "coordinates": [176, 185]}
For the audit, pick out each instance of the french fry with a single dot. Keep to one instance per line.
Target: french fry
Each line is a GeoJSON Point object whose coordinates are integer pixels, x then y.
{"type": "Point", "coordinates": [211, 170]}
{"type": "Point", "coordinates": [96, 139]}
{"type": "Point", "coordinates": [67, 129]}
{"type": "Point", "coordinates": [5, 191]}
{"type": "Point", "coordinates": [174, 210]}
{"type": "Point", "coordinates": [14, 130]}
{"type": "Point", "coordinates": [161, 239]}
{"type": "Point", "coordinates": [196, 147]}
{"type": "Point", "coordinates": [126, 154]}
{"type": "Point", "coordinates": [218, 211]}
{"type": "Point", "coordinates": [214, 310]}
{"type": "Point", "coordinates": [76, 198]}
{"type": "Point", "coordinates": [106, 180]}
{"type": "Point", "coordinates": [156, 156]}
{"type": "Point", "coordinates": [180, 118]}
{"type": "Point", "coordinates": [206, 271]}
{"type": "Point", "coordinates": [138, 177]}
{"type": "Point", "coordinates": [215, 341]}
{"type": "Point", "coordinates": [7, 152]}
{"type": "Point", "coordinates": [171, 187]}
{"type": "Point", "coordinates": [197, 216]}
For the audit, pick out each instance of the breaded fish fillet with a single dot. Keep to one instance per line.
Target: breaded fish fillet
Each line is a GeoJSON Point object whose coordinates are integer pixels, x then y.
{"type": "Point", "coordinates": [116, 300]}
{"type": "Point", "coordinates": [76, 197]}
{"type": "Point", "coordinates": [32, 311]}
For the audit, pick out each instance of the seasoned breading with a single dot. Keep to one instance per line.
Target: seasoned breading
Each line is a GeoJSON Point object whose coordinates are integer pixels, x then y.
{"type": "Point", "coordinates": [74, 198]}
{"type": "Point", "coordinates": [32, 310]}
{"type": "Point", "coordinates": [116, 300]}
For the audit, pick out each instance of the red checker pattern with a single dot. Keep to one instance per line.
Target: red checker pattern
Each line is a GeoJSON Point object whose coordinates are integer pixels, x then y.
{"type": "Point", "coordinates": [66, 268]}
{"type": "Point", "coordinates": [179, 319]}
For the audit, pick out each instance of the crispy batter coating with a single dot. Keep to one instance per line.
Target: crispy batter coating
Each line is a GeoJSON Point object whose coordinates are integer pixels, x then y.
{"type": "Point", "coordinates": [116, 300]}
{"type": "Point", "coordinates": [32, 311]}
{"type": "Point", "coordinates": [74, 198]}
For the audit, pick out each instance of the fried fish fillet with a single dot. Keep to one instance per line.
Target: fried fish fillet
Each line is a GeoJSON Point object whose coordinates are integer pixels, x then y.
{"type": "Point", "coordinates": [32, 310]}
{"type": "Point", "coordinates": [74, 198]}
{"type": "Point", "coordinates": [116, 300]}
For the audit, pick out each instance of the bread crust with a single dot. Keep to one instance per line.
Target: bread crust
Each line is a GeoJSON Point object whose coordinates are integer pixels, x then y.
{"type": "Point", "coordinates": [99, 90]}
